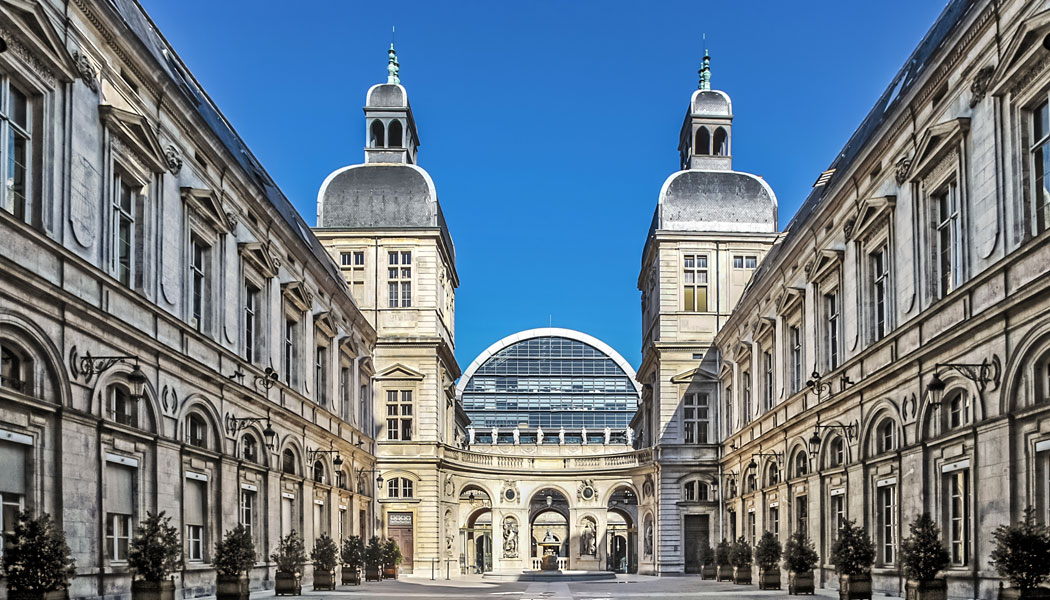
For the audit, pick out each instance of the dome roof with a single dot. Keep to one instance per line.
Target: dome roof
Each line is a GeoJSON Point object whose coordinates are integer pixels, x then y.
{"type": "Point", "coordinates": [392, 95]}
{"type": "Point", "coordinates": [711, 103]}
{"type": "Point", "coordinates": [378, 195]}
{"type": "Point", "coordinates": [728, 201]}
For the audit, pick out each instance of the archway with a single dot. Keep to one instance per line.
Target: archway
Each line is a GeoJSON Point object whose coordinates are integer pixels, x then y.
{"type": "Point", "coordinates": [549, 527]}
{"type": "Point", "coordinates": [621, 531]}
{"type": "Point", "coordinates": [476, 534]}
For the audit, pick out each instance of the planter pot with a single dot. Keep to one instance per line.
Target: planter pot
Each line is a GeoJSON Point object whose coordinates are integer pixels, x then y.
{"type": "Point", "coordinates": [1007, 593]}
{"type": "Point", "coordinates": [708, 572]}
{"type": "Point", "coordinates": [373, 573]}
{"type": "Point", "coordinates": [800, 583]}
{"type": "Point", "coordinates": [742, 575]}
{"type": "Point", "coordinates": [62, 594]}
{"type": "Point", "coordinates": [389, 571]}
{"type": "Point", "coordinates": [934, 589]}
{"type": "Point", "coordinates": [855, 587]}
{"type": "Point", "coordinates": [324, 580]}
{"type": "Point", "coordinates": [153, 590]}
{"type": "Point", "coordinates": [351, 576]}
{"type": "Point", "coordinates": [724, 573]}
{"type": "Point", "coordinates": [769, 579]}
{"type": "Point", "coordinates": [231, 587]}
{"type": "Point", "coordinates": [287, 584]}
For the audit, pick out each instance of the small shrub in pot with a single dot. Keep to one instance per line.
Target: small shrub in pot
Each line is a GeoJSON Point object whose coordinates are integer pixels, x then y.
{"type": "Point", "coordinates": [740, 557]}
{"type": "Point", "coordinates": [289, 556]}
{"type": "Point", "coordinates": [37, 559]}
{"type": "Point", "coordinates": [325, 556]}
{"type": "Point", "coordinates": [706, 557]}
{"type": "Point", "coordinates": [800, 557]}
{"type": "Point", "coordinates": [234, 557]}
{"type": "Point", "coordinates": [154, 554]}
{"type": "Point", "coordinates": [767, 557]}
{"type": "Point", "coordinates": [353, 556]}
{"type": "Point", "coordinates": [923, 555]}
{"type": "Point", "coordinates": [853, 554]}
{"type": "Point", "coordinates": [723, 568]}
{"type": "Point", "coordinates": [1021, 556]}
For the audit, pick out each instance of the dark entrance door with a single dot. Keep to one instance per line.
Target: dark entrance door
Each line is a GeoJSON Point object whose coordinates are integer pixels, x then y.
{"type": "Point", "coordinates": [696, 532]}
{"type": "Point", "coordinates": [399, 527]}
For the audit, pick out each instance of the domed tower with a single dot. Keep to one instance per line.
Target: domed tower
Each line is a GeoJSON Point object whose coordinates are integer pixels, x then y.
{"type": "Point", "coordinates": [711, 228]}
{"type": "Point", "coordinates": [382, 223]}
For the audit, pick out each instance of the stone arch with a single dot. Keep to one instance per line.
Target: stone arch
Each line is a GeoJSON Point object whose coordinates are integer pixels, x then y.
{"type": "Point", "coordinates": [35, 340]}
{"type": "Point", "coordinates": [395, 136]}
{"type": "Point", "coordinates": [201, 404]}
{"type": "Point", "coordinates": [879, 412]}
{"type": "Point", "coordinates": [118, 375]}
{"type": "Point", "coordinates": [291, 444]}
{"type": "Point", "coordinates": [931, 418]}
{"type": "Point", "coordinates": [467, 486]}
{"type": "Point", "coordinates": [797, 448]}
{"type": "Point", "coordinates": [720, 142]}
{"type": "Point", "coordinates": [254, 431]}
{"type": "Point", "coordinates": [702, 141]}
{"type": "Point", "coordinates": [1018, 383]}
{"type": "Point", "coordinates": [376, 134]}
{"type": "Point", "coordinates": [825, 448]}
{"type": "Point", "coordinates": [617, 487]}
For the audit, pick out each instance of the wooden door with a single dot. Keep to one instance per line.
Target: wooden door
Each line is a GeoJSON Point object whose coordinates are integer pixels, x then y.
{"type": "Point", "coordinates": [400, 528]}
{"type": "Point", "coordinates": [696, 532]}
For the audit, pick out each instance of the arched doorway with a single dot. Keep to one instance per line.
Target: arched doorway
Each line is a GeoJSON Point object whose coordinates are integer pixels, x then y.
{"type": "Point", "coordinates": [549, 527]}
{"type": "Point", "coordinates": [476, 535]}
{"type": "Point", "coordinates": [621, 531]}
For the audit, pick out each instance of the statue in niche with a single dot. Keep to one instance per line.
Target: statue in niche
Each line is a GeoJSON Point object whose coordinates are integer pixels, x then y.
{"type": "Point", "coordinates": [648, 538]}
{"type": "Point", "coordinates": [510, 537]}
{"type": "Point", "coordinates": [561, 436]}
{"type": "Point", "coordinates": [588, 535]}
{"type": "Point", "coordinates": [517, 436]}
{"type": "Point", "coordinates": [539, 436]}
{"type": "Point", "coordinates": [608, 435]}
{"type": "Point", "coordinates": [470, 433]}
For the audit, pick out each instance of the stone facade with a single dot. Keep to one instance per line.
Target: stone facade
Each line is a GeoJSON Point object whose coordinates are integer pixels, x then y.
{"type": "Point", "coordinates": [905, 314]}
{"type": "Point", "coordinates": [153, 274]}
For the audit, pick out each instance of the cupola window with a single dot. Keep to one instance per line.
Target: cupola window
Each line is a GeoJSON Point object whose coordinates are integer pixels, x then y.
{"type": "Point", "coordinates": [702, 143]}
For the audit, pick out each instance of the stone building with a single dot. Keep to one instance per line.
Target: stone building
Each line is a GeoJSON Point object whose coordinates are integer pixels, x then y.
{"type": "Point", "coordinates": [711, 228]}
{"type": "Point", "coordinates": [173, 337]}
{"type": "Point", "coordinates": [898, 336]}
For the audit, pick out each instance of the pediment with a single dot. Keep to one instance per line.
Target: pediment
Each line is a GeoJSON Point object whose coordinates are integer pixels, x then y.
{"type": "Point", "coordinates": [1025, 49]}
{"type": "Point", "coordinates": [134, 130]}
{"type": "Point", "coordinates": [326, 323]}
{"type": "Point", "coordinates": [400, 372]}
{"type": "Point", "coordinates": [937, 141]}
{"type": "Point", "coordinates": [826, 261]}
{"type": "Point", "coordinates": [208, 205]}
{"type": "Point", "coordinates": [35, 29]}
{"type": "Point", "coordinates": [256, 255]}
{"type": "Point", "coordinates": [788, 300]}
{"type": "Point", "coordinates": [697, 375]}
{"type": "Point", "coordinates": [872, 211]}
{"type": "Point", "coordinates": [296, 293]}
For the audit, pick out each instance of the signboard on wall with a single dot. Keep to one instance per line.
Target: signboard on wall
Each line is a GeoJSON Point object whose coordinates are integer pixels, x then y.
{"type": "Point", "coordinates": [399, 519]}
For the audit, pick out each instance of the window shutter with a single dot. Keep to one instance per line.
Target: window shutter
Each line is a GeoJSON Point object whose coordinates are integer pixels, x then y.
{"type": "Point", "coordinates": [13, 466]}
{"type": "Point", "coordinates": [193, 507]}
{"type": "Point", "coordinates": [120, 489]}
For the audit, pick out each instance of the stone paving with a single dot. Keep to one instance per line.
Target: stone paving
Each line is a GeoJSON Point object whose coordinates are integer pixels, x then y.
{"type": "Point", "coordinates": [624, 586]}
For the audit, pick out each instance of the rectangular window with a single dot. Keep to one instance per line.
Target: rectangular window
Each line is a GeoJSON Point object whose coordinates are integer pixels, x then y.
{"type": "Point", "coordinates": [321, 376]}
{"type": "Point", "coordinates": [194, 511]}
{"type": "Point", "coordinates": [344, 393]}
{"type": "Point", "coordinates": [729, 409]}
{"type": "Point", "coordinates": [120, 506]}
{"type": "Point", "coordinates": [831, 314]}
{"type": "Point", "coordinates": [123, 406]}
{"type": "Point", "coordinates": [745, 262]}
{"type": "Point", "coordinates": [836, 517]}
{"type": "Point", "coordinates": [795, 337]}
{"type": "Point", "coordinates": [251, 322]}
{"type": "Point", "coordinates": [1041, 166]}
{"type": "Point", "coordinates": [774, 521]}
{"type": "Point", "coordinates": [12, 487]}
{"type": "Point", "coordinates": [15, 128]}
{"type": "Point", "coordinates": [695, 283]}
{"type": "Point", "coordinates": [346, 259]}
{"type": "Point", "coordinates": [879, 290]}
{"type": "Point", "coordinates": [746, 383]}
{"type": "Point", "coordinates": [198, 283]}
{"type": "Point", "coordinates": [291, 343]}
{"type": "Point", "coordinates": [248, 510]}
{"type": "Point", "coordinates": [802, 514]}
{"type": "Point", "coordinates": [124, 229]}
{"type": "Point", "coordinates": [399, 415]}
{"type": "Point", "coordinates": [695, 413]}
{"type": "Point", "coordinates": [946, 244]}
{"type": "Point", "coordinates": [767, 366]}
{"type": "Point", "coordinates": [887, 522]}
{"type": "Point", "coordinates": [118, 536]}
{"type": "Point", "coordinates": [287, 515]}
{"type": "Point", "coordinates": [357, 277]}
{"type": "Point", "coordinates": [958, 516]}
{"type": "Point", "coordinates": [751, 527]}
{"type": "Point", "coordinates": [399, 276]}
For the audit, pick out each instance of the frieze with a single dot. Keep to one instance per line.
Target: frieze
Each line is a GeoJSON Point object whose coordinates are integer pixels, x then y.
{"type": "Point", "coordinates": [1031, 75]}
{"type": "Point", "coordinates": [947, 164]}
{"type": "Point", "coordinates": [26, 55]}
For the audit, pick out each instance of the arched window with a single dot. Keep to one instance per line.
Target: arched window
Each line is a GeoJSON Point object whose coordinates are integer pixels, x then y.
{"type": "Point", "coordinates": [801, 463]}
{"type": "Point", "coordinates": [378, 137]}
{"type": "Point", "coordinates": [395, 139]}
{"type": "Point", "coordinates": [721, 147]}
{"type": "Point", "coordinates": [341, 480]}
{"type": "Point", "coordinates": [958, 410]}
{"type": "Point", "coordinates": [123, 407]}
{"type": "Point", "coordinates": [250, 449]}
{"type": "Point", "coordinates": [731, 491]}
{"type": "Point", "coordinates": [884, 437]}
{"type": "Point", "coordinates": [696, 491]}
{"type": "Point", "coordinates": [836, 452]}
{"type": "Point", "coordinates": [702, 142]}
{"type": "Point", "coordinates": [399, 487]}
{"type": "Point", "coordinates": [13, 368]}
{"type": "Point", "coordinates": [752, 483]}
{"type": "Point", "coordinates": [288, 462]}
{"type": "Point", "coordinates": [319, 472]}
{"type": "Point", "coordinates": [196, 431]}
{"type": "Point", "coordinates": [772, 474]}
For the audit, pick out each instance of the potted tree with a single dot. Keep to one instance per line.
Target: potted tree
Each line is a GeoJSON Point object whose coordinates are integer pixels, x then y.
{"type": "Point", "coordinates": [707, 560]}
{"type": "Point", "coordinates": [799, 558]}
{"type": "Point", "coordinates": [155, 553]}
{"type": "Point", "coordinates": [289, 556]}
{"type": "Point", "coordinates": [740, 557]}
{"type": "Point", "coordinates": [1020, 555]}
{"type": "Point", "coordinates": [391, 558]}
{"type": "Point", "coordinates": [923, 555]}
{"type": "Point", "coordinates": [723, 569]}
{"type": "Point", "coordinates": [852, 554]}
{"type": "Point", "coordinates": [325, 556]}
{"type": "Point", "coordinates": [353, 556]}
{"type": "Point", "coordinates": [374, 560]}
{"type": "Point", "coordinates": [767, 556]}
{"type": "Point", "coordinates": [36, 563]}
{"type": "Point", "coordinates": [234, 556]}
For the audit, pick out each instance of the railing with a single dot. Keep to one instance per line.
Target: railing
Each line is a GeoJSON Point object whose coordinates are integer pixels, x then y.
{"type": "Point", "coordinates": [551, 462]}
{"type": "Point", "coordinates": [563, 563]}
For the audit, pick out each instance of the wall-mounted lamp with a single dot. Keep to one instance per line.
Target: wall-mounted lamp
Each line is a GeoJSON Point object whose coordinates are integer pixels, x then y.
{"type": "Point", "coordinates": [981, 374]}
{"type": "Point", "coordinates": [312, 455]}
{"type": "Point", "coordinates": [235, 424]}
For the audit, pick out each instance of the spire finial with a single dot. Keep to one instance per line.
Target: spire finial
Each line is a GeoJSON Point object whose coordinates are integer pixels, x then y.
{"type": "Point", "coordinates": [705, 69]}
{"type": "Point", "coordinates": [392, 66]}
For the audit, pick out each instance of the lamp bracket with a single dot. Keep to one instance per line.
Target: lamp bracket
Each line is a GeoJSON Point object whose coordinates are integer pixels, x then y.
{"type": "Point", "coordinates": [981, 374]}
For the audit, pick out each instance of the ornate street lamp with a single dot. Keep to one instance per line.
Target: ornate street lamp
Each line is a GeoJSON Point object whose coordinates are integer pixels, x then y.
{"type": "Point", "coordinates": [235, 424]}
{"type": "Point", "coordinates": [981, 374]}
{"type": "Point", "coordinates": [312, 455]}
{"type": "Point", "coordinates": [848, 431]}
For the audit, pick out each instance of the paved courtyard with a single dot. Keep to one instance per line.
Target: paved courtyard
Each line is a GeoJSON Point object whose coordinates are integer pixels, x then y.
{"type": "Point", "coordinates": [632, 586]}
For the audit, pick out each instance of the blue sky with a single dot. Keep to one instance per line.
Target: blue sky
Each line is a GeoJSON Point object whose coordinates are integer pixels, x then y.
{"type": "Point", "coordinates": [548, 127]}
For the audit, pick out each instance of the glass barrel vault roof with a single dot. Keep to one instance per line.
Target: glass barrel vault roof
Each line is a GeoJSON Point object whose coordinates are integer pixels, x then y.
{"type": "Point", "coordinates": [550, 381]}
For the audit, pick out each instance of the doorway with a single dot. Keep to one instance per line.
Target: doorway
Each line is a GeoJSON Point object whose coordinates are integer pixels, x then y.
{"type": "Point", "coordinates": [697, 532]}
